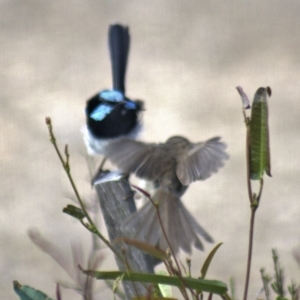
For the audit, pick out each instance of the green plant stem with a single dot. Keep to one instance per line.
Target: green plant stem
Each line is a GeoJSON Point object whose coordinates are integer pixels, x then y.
{"type": "Point", "coordinates": [261, 182]}
{"type": "Point", "coordinates": [247, 122]}
{"type": "Point", "coordinates": [66, 167]}
{"type": "Point", "coordinates": [250, 246]}
{"type": "Point", "coordinates": [266, 280]}
{"type": "Point", "coordinates": [254, 205]}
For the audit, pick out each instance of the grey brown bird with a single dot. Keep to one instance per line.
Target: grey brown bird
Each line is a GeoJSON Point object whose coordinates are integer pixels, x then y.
{"type": "Point", "coordinates": [173, 165]}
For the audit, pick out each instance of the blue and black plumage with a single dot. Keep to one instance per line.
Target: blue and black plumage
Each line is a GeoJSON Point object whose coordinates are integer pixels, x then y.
{"type": "Point", "coordinates": [110, 114]}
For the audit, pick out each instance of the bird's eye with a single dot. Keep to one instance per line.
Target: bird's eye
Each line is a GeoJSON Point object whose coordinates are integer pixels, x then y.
{"type": "Point", "coordinates": [130, 105]}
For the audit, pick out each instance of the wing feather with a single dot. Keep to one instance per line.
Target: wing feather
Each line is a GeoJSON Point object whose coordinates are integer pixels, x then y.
{"type": "Point", "coordinates": [201, 160]}
{"type": "Point", "coordinates": [145, 160]}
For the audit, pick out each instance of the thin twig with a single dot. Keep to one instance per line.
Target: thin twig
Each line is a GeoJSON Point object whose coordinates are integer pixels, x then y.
{"type": "Point", "coordinates": [261, 182]}
{"type": "Point", "coordinates": [249, 252]}
{"type": "Point", "coordinates": [184, 293]}
{"type": "Point", "coordinates": [254, 206]}
{"type": "Point", "coordinates": [250, 195]}
{"type": "Point", "coordinates": [167, 263]}
{"type": "Point", "coordinates": [67, 169]}
{"type": "Point", "coordinates": [247, 122]}
{"type": "Point", "coordinates": [102, 164]}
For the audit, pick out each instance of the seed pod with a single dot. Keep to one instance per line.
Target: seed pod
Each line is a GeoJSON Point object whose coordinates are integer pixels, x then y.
{"type": "Point", "coordinates": [259, 149]}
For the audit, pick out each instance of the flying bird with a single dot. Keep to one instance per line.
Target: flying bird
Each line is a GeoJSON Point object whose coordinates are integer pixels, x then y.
{"type": "Point", "coordinates": [173, 166]}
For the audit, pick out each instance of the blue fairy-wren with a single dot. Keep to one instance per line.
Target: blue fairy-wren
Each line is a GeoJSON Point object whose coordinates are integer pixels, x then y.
{"type": "Point", "coordinates": [109, 113]}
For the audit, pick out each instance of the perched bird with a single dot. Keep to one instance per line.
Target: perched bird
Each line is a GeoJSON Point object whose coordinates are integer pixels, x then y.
{"type": "Point", "coordinates": [173, 165]}
{"type": "Point", "coordinates": [109, 113]}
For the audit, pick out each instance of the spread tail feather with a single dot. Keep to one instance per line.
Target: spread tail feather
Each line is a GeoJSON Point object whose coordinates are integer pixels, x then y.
{"type": "Point", "coordinates": [181, 228]}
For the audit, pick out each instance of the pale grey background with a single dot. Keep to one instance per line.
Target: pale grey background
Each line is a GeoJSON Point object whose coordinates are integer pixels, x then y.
{"type": "Point", "coordinates": [186, 59]}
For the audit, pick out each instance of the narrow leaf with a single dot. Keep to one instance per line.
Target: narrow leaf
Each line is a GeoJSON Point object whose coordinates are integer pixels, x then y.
{"type": "Point", "coordinates": [52, 250]}
{"type": "Point", "coordinates": [244, 97]}
{"type": "Point", "coordinates": [211, 286]}
{"type": "Point", "coordinates": [117, 283]}
{"type": "Point", "coordinates": [74, 211]}
{"type": "Point", "coordinates": [25, 292]}
{"type": "Point", "coordinates": [226, 297]}
{"type": "Point", "coordinates": [208, 260]}
{"type": "Point", "coordinates": [166, 290]}
{"type": "Point", "coordinates": [146, 248]}
{"type": "Point", "coordinates": [259, 149]}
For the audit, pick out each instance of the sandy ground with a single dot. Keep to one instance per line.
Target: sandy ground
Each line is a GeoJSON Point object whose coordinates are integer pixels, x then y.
{"type": "Point", "coordinates": [186, 60]}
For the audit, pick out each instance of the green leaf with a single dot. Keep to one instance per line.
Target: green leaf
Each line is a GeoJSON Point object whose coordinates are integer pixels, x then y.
{"type": "Point", "coordinates": [226, 297]}
{"type": "Point", "coordinates": [117, 283]}
{"type": "Point", "coordinates": [208, 260]}
{"type": "Point", "coordinates": [166, 290]}
{"type": "Point", "coordinates": [259, 149]}
{"type": "Point", "coordinates": [211, 286]}
{"type": "Point", "coordinates": [146, 248]}
{"type": "Point", "coordinates": [281, 298]}
{"type": "Point", "coordinates": [74, 211]}
{"type": "Point", "coordinates": [25, 292]}
{"type": "Point", "coordinates": [244, 97]}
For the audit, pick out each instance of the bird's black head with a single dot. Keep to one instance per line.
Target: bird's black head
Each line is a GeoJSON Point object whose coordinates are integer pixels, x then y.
{"type": "Point", "coordinates": [110, 114]}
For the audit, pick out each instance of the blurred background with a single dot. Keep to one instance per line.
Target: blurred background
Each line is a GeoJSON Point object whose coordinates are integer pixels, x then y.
{"type": "Point", "coordinates": [186, 59]}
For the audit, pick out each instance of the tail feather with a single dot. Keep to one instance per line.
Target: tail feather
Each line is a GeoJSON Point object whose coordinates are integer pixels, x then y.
{"type": "Point", "coordinates": [119, 41]}
{"type": "Point", "coordinates": [192, 234]}
{"type": "Point", "coordinates": [181, 228]}
{"type": "Point", "coordinates": [194, 224]}
{"type": "Point", "coordinates": [143, 225]}
{"type": "Point", "coordinates": [134, 221]}
{"type": "Point", "coordinates": [186, 234]}
{"type": "Point", "coordinates": [148, 224]}
{"type": "Point", "coordinates": [168, 215]}
{"type": "Point", "coordinates": [154, 231]}
{"type": "Point", "coordinates": [180, 235]}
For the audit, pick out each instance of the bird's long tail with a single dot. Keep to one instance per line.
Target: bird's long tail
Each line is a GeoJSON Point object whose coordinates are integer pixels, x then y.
{"type": "Point", "coordinates": [181, 228]}
{"type": "Point", "coordinates": [119, 41]}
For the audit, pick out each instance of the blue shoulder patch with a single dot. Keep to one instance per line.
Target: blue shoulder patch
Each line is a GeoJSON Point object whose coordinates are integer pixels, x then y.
{"type": "Point", "coordinates": [112, 96]}
{"type": "Point", "coordinates": [130, 104]}
{"type": "Point", "coordinates": [101, 111]}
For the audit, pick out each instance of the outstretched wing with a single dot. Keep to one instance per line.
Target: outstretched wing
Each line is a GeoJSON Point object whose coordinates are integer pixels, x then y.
{"type": "Point", "coordinates": [201, 160]}
{"type": "Point", "coordinates": [145, 160]}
